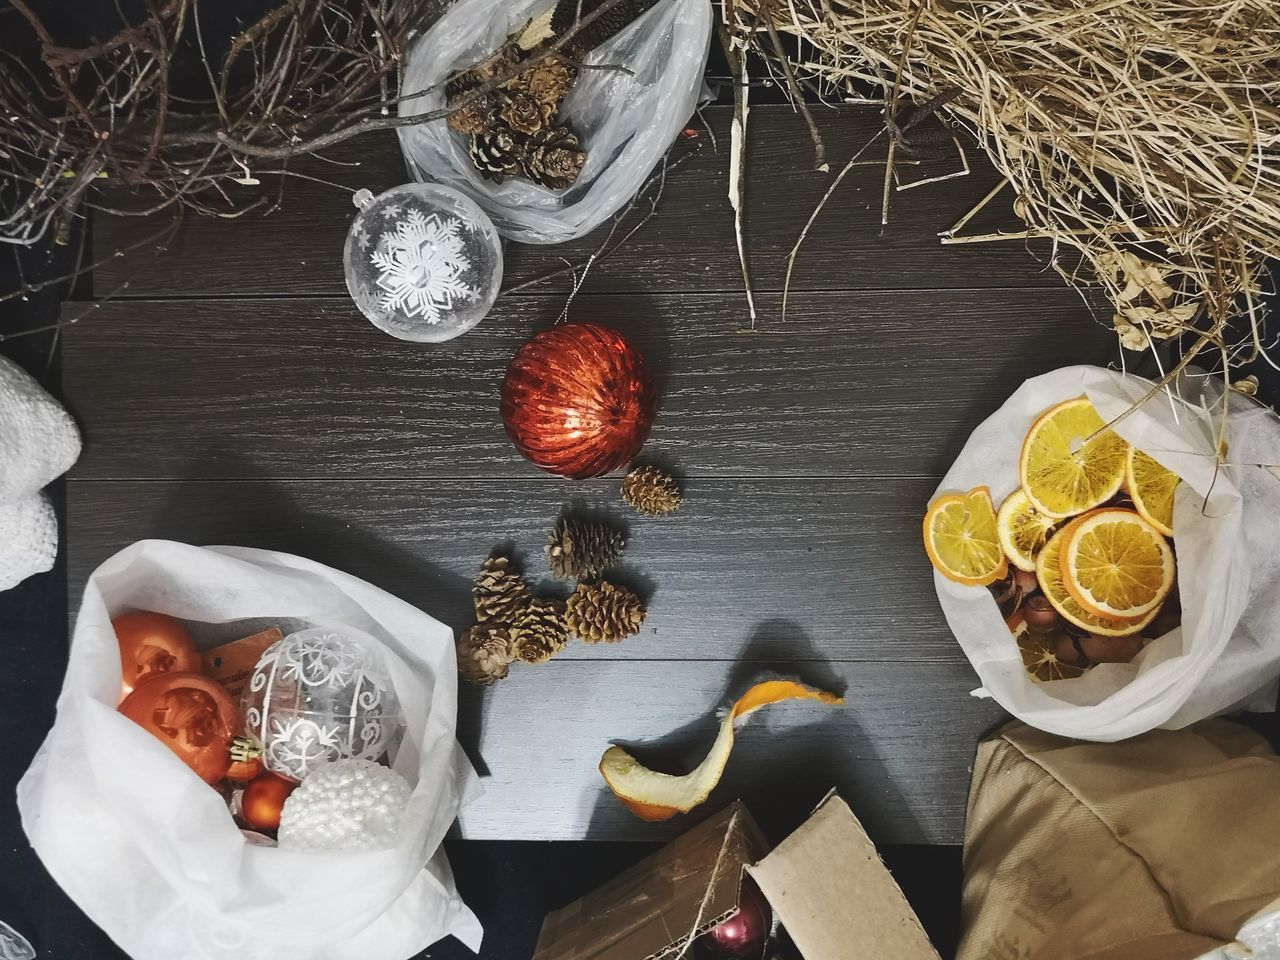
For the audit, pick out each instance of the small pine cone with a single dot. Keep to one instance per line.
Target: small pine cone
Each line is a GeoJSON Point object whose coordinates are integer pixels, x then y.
{"type": "Point", "coordinates": [604, 26]}
{"type": "Point", "coordinates": [553, 158]}
{"type": "Point", "coordinates": [500, 592]}
{"type": "Point", "coordinates": [582, 549]}
{"type": "Point", "coordinates": [540, 631]}
{"type": "Point", "coordinates": [484, 653]}
{"type": "Point", "coordinates": [604, 612]}
{"type": "Point", "coordinates": [651, 491]}
{"type": "Point", "coordinates": [525, 113]}
{"type": "Point", "coordinates": [475, 117]}
{"type": "Point", "coordinates": [547, 81]}
{"type": "Point", "coordinates": [478, 74]}
{"type": "Point", "coordinates": [496, 154]}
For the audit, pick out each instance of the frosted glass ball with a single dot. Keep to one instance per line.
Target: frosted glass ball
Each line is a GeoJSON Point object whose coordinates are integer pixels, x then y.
{"type": "Point", "coordinates": [423, 262]}
{"type": "Point", "coordinates": [321, 695]}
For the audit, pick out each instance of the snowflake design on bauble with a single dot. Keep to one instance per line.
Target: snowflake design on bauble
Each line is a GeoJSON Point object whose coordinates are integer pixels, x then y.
{"type": "Point", "coordinates": [420, 266]}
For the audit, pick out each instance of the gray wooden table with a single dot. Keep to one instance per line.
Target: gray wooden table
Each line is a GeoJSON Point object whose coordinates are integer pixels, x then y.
{"type": "Point", "coordinates": [230, 393]}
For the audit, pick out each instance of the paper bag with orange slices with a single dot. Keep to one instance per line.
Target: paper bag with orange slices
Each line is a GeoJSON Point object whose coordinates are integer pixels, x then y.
{"type": "Point", "coordinates": [1104, 568]}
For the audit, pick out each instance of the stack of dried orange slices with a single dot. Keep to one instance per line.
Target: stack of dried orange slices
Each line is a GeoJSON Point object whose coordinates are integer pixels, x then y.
{"type": "Point", "coordinates": [1078, 556]}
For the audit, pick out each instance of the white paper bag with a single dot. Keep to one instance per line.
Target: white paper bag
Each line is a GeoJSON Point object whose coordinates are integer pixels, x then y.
{"type": "Point", "coordinates": [1226, 528]}
{"type": "Point", "coordinates": [150, 852]}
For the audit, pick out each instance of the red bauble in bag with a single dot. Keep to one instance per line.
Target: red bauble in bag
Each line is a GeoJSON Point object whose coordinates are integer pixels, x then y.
{"type": "Point", "coordinates": [578, 400]}
{"type": "Point", "coordinates": [190, 714]}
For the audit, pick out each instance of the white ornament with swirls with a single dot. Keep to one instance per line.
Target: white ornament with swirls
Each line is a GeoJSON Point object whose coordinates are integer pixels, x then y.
{"type": "Point", "coordinates": [321, 695]}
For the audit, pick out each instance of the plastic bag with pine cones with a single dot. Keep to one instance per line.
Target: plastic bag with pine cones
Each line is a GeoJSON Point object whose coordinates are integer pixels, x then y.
{"type": "Point", "coordinates": [624, 120]}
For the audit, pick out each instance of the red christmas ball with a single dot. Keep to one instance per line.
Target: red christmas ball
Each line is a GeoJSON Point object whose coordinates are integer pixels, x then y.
{"type": "Point", "coordinates": [152, 644]}
{"type": "Point", "coordinates": [190, 714]}
{"type": "Point", "coordinates": [744, 934]}
{"type": "Point", "coordinates": [578, 400]}
{"type": "Point", "coordinates": [263, 800]}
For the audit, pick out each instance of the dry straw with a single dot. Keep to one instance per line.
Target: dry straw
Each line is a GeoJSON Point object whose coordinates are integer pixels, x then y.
{"type": "Point", "coordinates": [1144, 134]}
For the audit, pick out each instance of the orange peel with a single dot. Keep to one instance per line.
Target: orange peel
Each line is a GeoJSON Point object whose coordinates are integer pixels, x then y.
{"type": "Point", "coordinates": [651, 795]}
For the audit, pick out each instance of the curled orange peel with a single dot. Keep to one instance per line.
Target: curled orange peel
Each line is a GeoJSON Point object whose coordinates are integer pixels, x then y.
{"type": "Point", "coordinates": [651, 795]}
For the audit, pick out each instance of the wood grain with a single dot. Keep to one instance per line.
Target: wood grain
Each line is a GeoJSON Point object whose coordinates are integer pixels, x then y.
{"type": "Point", "coordinates": [233, 395]}
{"type": "Point", "coordinates": [688, 245]}
{"type": "Point", "coordinates": [761, 570]}
{"type": "Point", "coordinates": [853, 384]}
{"type": "Point", "coordinates": [899, 749]}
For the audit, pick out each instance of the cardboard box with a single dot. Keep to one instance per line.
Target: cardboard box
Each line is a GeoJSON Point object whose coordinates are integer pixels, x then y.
{"type": "Point", "coordinates": [825, 882]}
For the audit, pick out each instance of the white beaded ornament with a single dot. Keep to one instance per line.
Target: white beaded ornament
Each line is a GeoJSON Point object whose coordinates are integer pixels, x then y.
{"type": "Point", "coordinates": [345, 805]}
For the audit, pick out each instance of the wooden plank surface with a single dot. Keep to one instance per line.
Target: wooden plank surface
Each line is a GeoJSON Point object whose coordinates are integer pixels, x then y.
{"type": "Point", "coordinates": [901, 760]}
{"type": "Point", "coordinates": [866, 384]}
{"type": "Point", "coordinates": [808, 570]}
{"type": "Point", "coordinates": [827, 584]}
{"type": "Point", "coordinates": [233, 395]}
{"type": "Point", "coordinates": [688, 246]}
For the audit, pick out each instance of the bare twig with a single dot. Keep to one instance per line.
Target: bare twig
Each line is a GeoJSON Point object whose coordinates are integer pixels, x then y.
{"type": "Point", "coordinates": [738, 162]}
{"type": "Point", "coordinates": [648, 194]}
{"type": "Point", "coordinates": [795, 250]}
{"type": "Point", "coordinates": [797, 98]}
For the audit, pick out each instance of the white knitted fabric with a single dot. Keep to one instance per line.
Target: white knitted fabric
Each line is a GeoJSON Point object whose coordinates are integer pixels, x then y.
{"type": "Point", "coordinates": [38, 442]}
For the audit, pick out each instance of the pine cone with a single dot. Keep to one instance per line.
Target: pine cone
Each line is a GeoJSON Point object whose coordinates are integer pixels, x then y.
{"type": "Point", "coordinates": [497, 63]}
{"type": "Point", "coordinates": [475, 117]}
{"type": "Point", "coordinates": [651, 491]}
{"type": "Point", "coordinates": [547, 81]}
{"type": "Point", "coordinates": [598, 30]}
{"type": "Point", "coordinates": [582, 549]}
{"type": "Point", "coordinates": [484, 653]}
{"type": "Point", "coordinates": [603, 612]}
{"type": "Point", "coordinates": [525, 113]}
{"type": "Point", "coordinates": [500, 592]}
{"type": "Point", "coordinates": [496, 154]}
{"type": "Point", "coordinates": [553, 158]}
{"type": "Point", "coordinates": [540, 631]}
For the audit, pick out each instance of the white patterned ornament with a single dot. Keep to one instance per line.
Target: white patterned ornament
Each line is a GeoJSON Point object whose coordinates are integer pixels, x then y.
{"type": "Point", "coordinates": [345, 805]}
{"type": "Point", "coordinates": [423, 262]}
{"type": "Point", "coordinates": [320, 695]}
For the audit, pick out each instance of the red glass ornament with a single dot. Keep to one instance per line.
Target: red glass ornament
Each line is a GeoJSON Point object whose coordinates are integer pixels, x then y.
{"type": "Point", "coordinates": [152, 644]}
{"type": "Point", "coordinates": [578, 400]}
{"type": "Point", "coordinates": [263, 800]}
{"type": "Point", "coordinates": [190, 714]}
{"type": "Point", "coordinates": [744, 934]}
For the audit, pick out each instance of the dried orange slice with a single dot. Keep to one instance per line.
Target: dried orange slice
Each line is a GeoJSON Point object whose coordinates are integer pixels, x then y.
{"type": "Point", "coordinates": [1023, 530]}
{"type": "Point", "coordinates": [651, 795]}
{"type": "Point", "coordinates": [1151, 487]}
{"type": "Point", "coordinates": [1117, 565]}
{"type": "Point", "coordinates": [1070, 461]}
{"type": "Point", "coordinates": [1049, 575]}
{"type": "Point", "coordinates": [1039, 658]}
{"type": "Point", "coordinates": [961, 540]}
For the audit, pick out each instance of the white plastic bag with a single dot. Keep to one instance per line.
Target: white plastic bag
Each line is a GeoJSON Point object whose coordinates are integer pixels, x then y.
{"type": "Point", "coordinates": [1226, 527]}
{"type": "Point", "coordinates": [150, 852]}
{"type": "Point", "coordinates": [626, 121]}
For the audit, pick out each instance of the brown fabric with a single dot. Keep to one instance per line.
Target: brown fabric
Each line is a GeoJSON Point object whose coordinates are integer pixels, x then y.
{"type": "Point", "coordinates": [1156, 848]}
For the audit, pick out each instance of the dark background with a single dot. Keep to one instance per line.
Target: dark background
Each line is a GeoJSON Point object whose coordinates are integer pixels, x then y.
{"type": "Point", "coordinates": [510, 885]}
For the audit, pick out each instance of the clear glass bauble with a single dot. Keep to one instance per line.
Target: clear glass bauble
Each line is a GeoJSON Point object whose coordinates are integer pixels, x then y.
{"type": "Point", "coordinates": [423, 262]}
{"type": "Point", "coordinates": [320, 695]}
